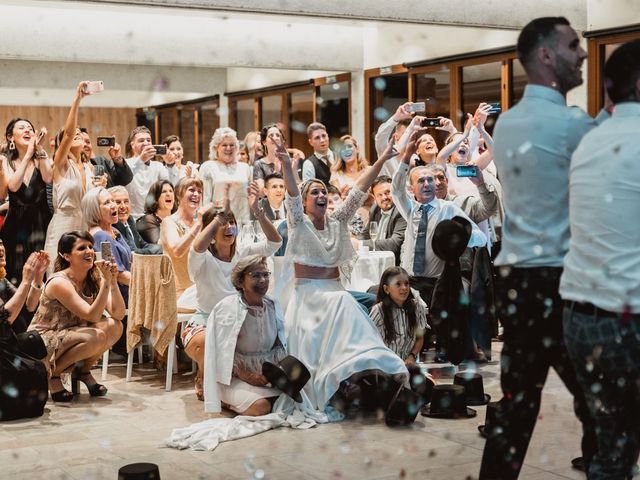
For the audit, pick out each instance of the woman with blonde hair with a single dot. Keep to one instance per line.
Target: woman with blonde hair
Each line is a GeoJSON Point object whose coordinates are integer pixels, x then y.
{"type": "Point", "coordinates": [178, 230]}
{"type": "Point", "coordinates": [224, 171]}
{"type": "Point", "coordinates": [349, 164]}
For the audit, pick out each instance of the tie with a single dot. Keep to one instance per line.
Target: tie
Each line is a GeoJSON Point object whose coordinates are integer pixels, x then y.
{"type": "Point", "coordinates": [129, 232]}
{"type": "Point", "coordinates": [420, 255]}
{"type": "Point", "coordinates": [276, 215]}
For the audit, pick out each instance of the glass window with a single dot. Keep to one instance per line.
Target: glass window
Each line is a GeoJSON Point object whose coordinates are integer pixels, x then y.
{"type": "Point", "coordinates": [244, 117]}
{"type": "Point", "coordinates": [518, 81]}
{"type": "Point", "coordinates": [433, 89]}
{"type": "Point", "coordinates": [168, 124]}
{"type": "Point", "coordinates": [300, 115]}
{"type": "Point", "coordinates": [386, 94]}
{"type": "Point", "coordinates": [209, 121]}
{"type": "Point", "coordinates": [480, 83]}
{"type": "Point", "coordinates": [271, 110]}
{"type": "Point", "coordinates": [188, 134]}
{"type": "Point", "coordinates": [332, 108]}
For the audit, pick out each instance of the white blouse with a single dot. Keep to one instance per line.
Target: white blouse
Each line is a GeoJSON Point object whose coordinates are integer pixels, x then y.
{"type": "Point", "coordinates": [330, 247]}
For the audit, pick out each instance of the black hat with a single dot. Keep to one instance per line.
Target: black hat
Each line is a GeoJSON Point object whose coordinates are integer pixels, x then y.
{"type": "Point", "coordinates": [451, 237]}
{"type": "Point", "coordinates": [139, 471]}
{"type": "Point", "coordinates": [289, 376]}
{"type": "Point", "coordinates": [31, 343]}
{"type": "Point", "coordinates": [490, 419]}
{"type": "Point", "coordinates": [378, 391]}
{"type": "Point", "coordinates": [473, 388]}
{"type": "Point", "coordinates": [447, 401]}
{"type": "Point", "coordinates": [404, 408]}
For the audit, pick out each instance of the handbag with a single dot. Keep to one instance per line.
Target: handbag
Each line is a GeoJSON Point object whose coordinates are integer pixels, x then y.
{"type": "Point", "coordinates": [23, 377]}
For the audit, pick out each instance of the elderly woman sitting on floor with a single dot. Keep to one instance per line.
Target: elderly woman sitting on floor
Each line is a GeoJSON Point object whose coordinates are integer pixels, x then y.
{"type": "Point", "coordinates": [244, 331]}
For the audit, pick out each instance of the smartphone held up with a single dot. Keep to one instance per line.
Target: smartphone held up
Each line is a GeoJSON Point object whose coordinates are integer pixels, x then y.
{"type": "Point", "coordinates": [94, 86]}
{"type": "Point", "coordinates": [466, 171]}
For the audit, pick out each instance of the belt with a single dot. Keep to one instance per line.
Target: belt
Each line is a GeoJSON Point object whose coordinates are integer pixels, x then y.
{"type": "Point", "coordinates": [589, 309]}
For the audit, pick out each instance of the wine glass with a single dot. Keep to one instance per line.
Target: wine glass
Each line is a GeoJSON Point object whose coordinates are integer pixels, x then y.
{"type": "Point", "coordinates": [373, 233]}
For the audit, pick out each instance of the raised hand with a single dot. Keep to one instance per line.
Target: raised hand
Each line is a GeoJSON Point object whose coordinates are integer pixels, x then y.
{"type": "Point", "coordinates": [42, 264]}
{"type": "Point", "coordinates": [446, 124]}
{"type": "Point", "coordinates": [80, 90]}
{"type": "Point", "coordinates": [281, 149]}
{"type": "Point", "coordinates": [402, 113]}
{"type": "Point", "coordinates": [29, 268]}
{"type": "Point", "coordinates": [254, 194]}
{"type": "Point", "coordinates": [389, 152]}
{"type": "Point", "coordinates": [115, 153]}
{"type": "Point", "coordinates": [411, 147]}
{"type": "Point", "coordinates": [104, 268]}
{"type": "Point", "coordinates": [481, 114]}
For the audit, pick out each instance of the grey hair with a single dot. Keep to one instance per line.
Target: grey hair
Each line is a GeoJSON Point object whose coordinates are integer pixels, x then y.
{"type": "Point", "coordinates": [243, 265]}
{"type": "Point", "coordinates": [90, 206]}
{"type": "Point", "coordinates": [218, 136]}
{"type": "Point", "coordinates": [117, 190]}
{"type": "Point", "coordinates": [437, 167]}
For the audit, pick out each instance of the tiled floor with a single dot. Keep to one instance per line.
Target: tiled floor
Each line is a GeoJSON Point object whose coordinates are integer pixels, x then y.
{"type": "Point", "coordinates": [92, 438]}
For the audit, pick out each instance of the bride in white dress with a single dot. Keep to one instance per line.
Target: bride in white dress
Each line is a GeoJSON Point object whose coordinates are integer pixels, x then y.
{"type": "Point", "coordinates": [325, 327]}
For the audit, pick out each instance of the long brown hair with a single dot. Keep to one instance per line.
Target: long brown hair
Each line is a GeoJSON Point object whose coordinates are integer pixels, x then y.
{"type": "Point", "coordinates": [388, 305]}
{"type": "Point", "coordinates": [65, 245]}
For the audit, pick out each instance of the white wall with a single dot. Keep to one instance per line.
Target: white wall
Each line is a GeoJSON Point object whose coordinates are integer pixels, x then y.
{"type": "Point", "coordinates": [53, 83]}
{"type": "Point", "coordinates": [239, 79]}
{"type": "Point", "coordinates": [612, 13]}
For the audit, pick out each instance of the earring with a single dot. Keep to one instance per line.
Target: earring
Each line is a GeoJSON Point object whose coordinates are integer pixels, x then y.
{"type": "Point", "coordinates": [12, 145]}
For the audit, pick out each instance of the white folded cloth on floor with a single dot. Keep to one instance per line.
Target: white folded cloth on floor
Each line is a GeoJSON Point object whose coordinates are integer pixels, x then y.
{"type": "Point", "coordinates": [208, 434]}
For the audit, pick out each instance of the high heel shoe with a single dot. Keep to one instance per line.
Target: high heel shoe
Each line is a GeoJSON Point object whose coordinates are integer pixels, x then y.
{"type": "Point", "coordinates": [63, 395]}
{"type": "Point", "coordinates": [95, 389]}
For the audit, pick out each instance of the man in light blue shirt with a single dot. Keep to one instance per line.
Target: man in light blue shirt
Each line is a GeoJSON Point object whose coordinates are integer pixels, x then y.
{"type": "Point", "coordinates": [534, 141]}
{"type": "Point", "coordinates": [601, 278]}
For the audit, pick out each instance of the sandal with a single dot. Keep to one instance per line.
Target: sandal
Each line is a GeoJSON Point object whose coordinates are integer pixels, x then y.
{"type": "Point", "coordinates": [95, 389]}
{"type": "Point", "coordinates": [63, 395]}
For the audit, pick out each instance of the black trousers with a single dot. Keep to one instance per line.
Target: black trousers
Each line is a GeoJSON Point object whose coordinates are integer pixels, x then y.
{"type": "Point", "coordinates": [531, 311]}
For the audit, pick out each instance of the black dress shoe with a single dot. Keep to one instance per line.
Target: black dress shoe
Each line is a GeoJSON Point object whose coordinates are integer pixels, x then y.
{"type": "Point", "coordinates": [578, 464]}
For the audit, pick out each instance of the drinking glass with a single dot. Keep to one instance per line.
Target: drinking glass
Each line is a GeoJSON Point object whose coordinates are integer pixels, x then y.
{"type": "Point", "coordinates": [373, 233]}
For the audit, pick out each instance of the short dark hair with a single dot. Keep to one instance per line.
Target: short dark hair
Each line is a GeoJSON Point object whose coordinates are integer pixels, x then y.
{"type": "Point", "coordinates": [534, 33]}
{"type": "Point", "coordinates": [84, 130]}
{"type": "Point", "coordinates": [332, 189]}
{"type": "Point", "coordinates": [132, 135]}
{"type": "Point", "coordinates": [313, 127]}
{"type": "Point", "coordinates": [622, 71]}
{"type": "Point", "coordinates": [272, 176]}
{"type": "Point", "coordinates": [169, 139]}
{"type": "Point", "coordinates": [380, 179]}
{"type": "Point", "coordinates": [153, 196]}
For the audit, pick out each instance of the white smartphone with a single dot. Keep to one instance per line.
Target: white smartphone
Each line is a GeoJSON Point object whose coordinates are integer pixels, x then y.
{"type": "Point", "coordinates": [94, 87]}
{"type": "Point", "coordinates": [419, 107]}
{"type": "Point", "coordinates": [105, 249]}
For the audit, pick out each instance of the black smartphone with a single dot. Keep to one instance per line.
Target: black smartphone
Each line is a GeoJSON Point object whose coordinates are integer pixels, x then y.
{"type": "Point", "coordinates": [106, 141]}
{"type": "Point", "coordinates": [466, 171]}
{"type": "Point", "coordinates": [430, 122]}
{"type": "Point", "coordinates": [160, 149]}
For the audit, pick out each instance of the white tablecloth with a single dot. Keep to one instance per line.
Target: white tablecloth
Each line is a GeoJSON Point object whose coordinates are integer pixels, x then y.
{"type": "Point", "coordinates": [369, 268]}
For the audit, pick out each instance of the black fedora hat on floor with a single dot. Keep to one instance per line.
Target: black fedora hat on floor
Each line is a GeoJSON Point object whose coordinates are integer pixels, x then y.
{"type": "Point", "coordinates": [289, 376]}
{"type": "Point", "coordinates": [404, 408]}
{"type": "Point", "coordinates": [448, 401]}
{"type": "Point", "coordinates": [473, 388]}
{"type": "Point", "coordinates": [490, 419]}
{"type": "Point", "coordinates": [139, 471]}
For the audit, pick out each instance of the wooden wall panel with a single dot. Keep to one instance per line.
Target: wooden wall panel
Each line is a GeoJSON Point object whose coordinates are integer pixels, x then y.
{"type": "Point", "coordinates": [99, 121]}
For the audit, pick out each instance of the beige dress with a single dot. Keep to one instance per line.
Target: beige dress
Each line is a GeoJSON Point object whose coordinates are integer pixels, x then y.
{"type": "Point", "coordinates": [180, 264]}
{"type": "Point", "coordinates": [67, 216]}
{"type": "Point", "coordinates": [53, 321]}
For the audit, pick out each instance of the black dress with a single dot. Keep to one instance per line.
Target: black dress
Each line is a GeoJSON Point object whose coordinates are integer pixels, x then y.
{"type": "Point", "coordinates": [148, 227]}
{"type": "Point", "coordinates": [25, 227]}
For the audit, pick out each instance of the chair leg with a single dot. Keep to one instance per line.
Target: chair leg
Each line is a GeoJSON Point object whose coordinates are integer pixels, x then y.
{"type": "Point", "coordinates": [171, 362]}
{"type": "Point", "coordinates": [129, 365]}
{"type": "Point", "coordinates": [105, 365]}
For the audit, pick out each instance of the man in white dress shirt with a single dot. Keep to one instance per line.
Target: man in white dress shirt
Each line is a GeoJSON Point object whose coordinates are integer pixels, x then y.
{"type": "Point", "coordinates": [422, 215]}
{"type": "Point", "coordinates": [601, 279]}
{"type": "Point", "coordinates": [145, 170]}
{"type": "Point", "coordinates": [534, 141]}
{"type": "Point", "coordinates": [319, 164]}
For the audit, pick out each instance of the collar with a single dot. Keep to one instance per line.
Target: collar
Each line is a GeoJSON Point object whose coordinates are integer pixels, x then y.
{"type": "Point", "coordinates": [326, 156]}
{"type": "Point", "coordinates": [386, 212]}
{"type": "Point", "coordinates": [140, 162]}
{"type": "Point", "coordinates": [544, 93]}
{"type": "Point", "coordinates": [627, 109]}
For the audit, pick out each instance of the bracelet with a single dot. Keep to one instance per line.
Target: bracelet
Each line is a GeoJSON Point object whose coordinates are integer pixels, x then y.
{"type": "Point", "coordinates": [41, 155]}
{"type": "Point", "coordinates": [37, 287]}
{"type": "Point", "coordinates": [119, 158]}
{"type": "Point", "coordinates": [413, 355]}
